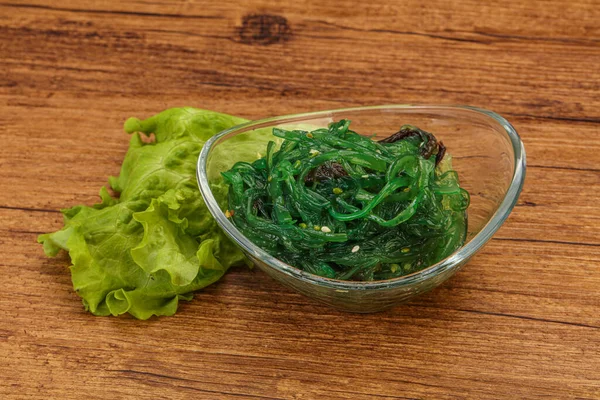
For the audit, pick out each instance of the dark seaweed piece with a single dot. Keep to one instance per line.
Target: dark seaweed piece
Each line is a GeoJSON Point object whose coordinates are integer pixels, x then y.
{"type": "Point", "coordinates": [404, 132]}
{"type": "Point", "coordinates": [429, 145]}
{"type": "Point", "coordinates": [325, 172]}
{"type": "Point", "coordinates": [440, 154]}
{"type": "Point", "coordinates": [259, 208]}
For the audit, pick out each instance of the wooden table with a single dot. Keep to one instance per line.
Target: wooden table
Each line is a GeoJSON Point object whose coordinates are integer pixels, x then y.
{"type": "Point", "coordinates": [521, 320]}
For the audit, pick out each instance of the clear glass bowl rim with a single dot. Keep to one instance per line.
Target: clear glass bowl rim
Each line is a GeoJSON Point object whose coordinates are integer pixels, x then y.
{"type": "Point", "coordinates": [455, 260]}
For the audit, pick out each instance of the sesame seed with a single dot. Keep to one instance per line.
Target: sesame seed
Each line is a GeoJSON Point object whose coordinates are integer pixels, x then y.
{"type": "Point", "coordinates": [314, 152]}
{"type": "Point", "coordinates": [405, 250]}
{"type": "Point", "coordinates": [407, 189]}
{"type": "Point", "coordinates": [326, 229]}
{"type": "Point", "coordinates": [365, 176]}
{"type": "Point", "coordinates": [355, 249]}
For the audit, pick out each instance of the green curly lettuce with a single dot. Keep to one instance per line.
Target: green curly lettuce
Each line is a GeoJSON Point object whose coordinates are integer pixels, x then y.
{"type": "Point", "coordinates": [156, 243]}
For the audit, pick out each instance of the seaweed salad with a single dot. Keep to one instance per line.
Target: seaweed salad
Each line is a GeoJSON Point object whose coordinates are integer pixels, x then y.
{"type": "Point", "coordinates": [340, 205]}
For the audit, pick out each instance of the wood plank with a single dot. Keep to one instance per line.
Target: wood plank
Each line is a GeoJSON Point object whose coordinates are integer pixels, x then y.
{"type": "Point", "coordinates": [520, 320]}
{"type": "Point", "coordinates": [207, 57]}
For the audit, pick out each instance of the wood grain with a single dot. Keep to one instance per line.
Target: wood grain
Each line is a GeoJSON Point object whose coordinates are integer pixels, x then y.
{"type": "Point", "coordinates": [521, 320]}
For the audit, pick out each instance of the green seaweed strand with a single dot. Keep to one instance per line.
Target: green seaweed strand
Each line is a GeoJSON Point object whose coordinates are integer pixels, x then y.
{"type": "Point", "coordinates": [341, 205]}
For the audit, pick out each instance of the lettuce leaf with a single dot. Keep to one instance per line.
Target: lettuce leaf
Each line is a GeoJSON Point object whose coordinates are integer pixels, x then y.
{"type": "Point", "coordinates": [156, 243]}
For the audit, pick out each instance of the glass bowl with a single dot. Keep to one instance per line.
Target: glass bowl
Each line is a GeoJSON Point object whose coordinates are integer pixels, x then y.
{"type": "Point", "coordinates": [487, 153]}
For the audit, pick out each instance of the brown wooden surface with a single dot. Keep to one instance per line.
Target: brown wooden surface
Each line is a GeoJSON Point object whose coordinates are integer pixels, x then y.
{"type": "Point", "coordinates": [521, 320]}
